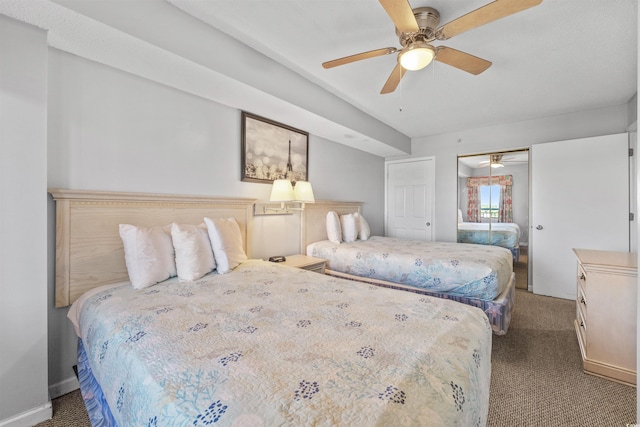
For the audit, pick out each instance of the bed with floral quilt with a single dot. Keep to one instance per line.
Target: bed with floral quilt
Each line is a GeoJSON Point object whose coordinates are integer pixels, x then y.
{"type": "Point", "coordinates": [506, 235]}
{"type": "Point", "coordinates": [478, 275]}
{"type": "Point", "coordinates": [268, 344]}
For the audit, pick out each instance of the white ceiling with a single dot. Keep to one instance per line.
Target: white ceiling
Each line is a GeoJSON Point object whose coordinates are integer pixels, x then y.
{"type": "Point", "coordinates": [561, 56]}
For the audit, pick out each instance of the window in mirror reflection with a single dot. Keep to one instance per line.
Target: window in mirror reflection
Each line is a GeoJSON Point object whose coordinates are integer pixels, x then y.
{"type": "Point", "coordinates": [489, 202]}
{"type": "Point", "coordinates": [489, 198]}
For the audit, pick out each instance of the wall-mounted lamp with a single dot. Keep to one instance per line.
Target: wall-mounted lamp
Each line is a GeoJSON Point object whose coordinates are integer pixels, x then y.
{"type": "Point", "coordinates": [303, 193]}
{"type": "Point", "coordinates": [284, 192]}
{"type": "Point", "coordinates": [281, 191]}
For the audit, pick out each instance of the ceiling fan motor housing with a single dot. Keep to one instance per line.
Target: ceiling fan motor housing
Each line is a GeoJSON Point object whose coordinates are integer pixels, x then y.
{"type": "Point", "coordinates": [428, 20]}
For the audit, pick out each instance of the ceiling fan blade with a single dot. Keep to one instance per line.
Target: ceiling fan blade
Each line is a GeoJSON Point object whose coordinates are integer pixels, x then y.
{"type": "Point", "coordinates": [461, 60]}
{"type": "Point", "coordinates": [359, 56]}
{"type": "Point", "coordinates": [394, 79]}
{"type": "Point", "coordinates": [401, 14]}
{"type": "Point", "coordinates": [488, 13]}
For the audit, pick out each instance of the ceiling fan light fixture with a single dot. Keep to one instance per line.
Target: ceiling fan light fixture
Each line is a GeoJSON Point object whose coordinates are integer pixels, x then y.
{"type": "Point", "coordinates": [416, 56]}
{"type": "Point", "coordinates": [496, 161]}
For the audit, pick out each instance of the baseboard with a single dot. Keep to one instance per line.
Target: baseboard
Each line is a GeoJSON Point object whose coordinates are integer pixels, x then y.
{"type": "Point", "coordinates": [29, 418]}
{"type": "Point", "coordinates": [63, 387]}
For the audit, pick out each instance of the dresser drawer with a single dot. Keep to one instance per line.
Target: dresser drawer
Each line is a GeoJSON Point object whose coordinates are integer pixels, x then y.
{"type": "Point", "coordinates": [581, 326]}
{"type": "Point", "coordinates": [581, 278]}
{"type": "Point", "coordinates": [581, 301]}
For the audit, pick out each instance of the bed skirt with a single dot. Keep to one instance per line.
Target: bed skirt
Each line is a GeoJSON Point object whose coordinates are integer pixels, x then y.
{"type": "Point", "coordinates": [94, 400]}
{"type": "Point", "coordinates": [497, 310]}
{"type": "Point", "coordinates": [516, 254]}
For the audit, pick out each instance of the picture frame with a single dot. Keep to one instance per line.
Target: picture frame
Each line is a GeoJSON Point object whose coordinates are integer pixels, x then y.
{"type": "Point", "coordinates": [272, 150]}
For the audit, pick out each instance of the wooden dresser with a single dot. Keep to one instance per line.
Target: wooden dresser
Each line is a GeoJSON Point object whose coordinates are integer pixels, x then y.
{"type": "Point", "coordinates": [606, 313]}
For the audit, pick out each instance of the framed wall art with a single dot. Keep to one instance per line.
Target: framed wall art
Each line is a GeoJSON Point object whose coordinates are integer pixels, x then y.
{"type": "Point", "coordinates": [272, 150]}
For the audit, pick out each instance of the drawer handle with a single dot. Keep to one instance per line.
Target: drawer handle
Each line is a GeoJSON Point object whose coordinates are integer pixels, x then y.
{"type": "Point", "coordinates": [583, 301]}
{"type": "Point", "coordinates": [582, 276]}
{"type": "Point", "coordinates": [581, 324]}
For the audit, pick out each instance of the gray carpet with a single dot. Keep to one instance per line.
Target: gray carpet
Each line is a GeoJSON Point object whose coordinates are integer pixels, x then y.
{"type": "Point", "coordinates": [68, 411]}
{"type": "Point", "coordinates": [536, 378]}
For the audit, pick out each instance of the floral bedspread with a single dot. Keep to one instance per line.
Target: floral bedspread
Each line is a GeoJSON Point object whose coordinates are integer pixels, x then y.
{"type": "Point", "coordinates": [476, 271]}
{"type": "Point", "coordinates": [506, 235]}
{"type": "Point", "coordinates": [273, 345]}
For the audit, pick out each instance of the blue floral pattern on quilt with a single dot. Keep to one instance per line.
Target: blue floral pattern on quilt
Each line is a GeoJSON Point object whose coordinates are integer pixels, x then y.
{"type": "Point", "coordinates": [505, 234]}
{"type": "Point", "coordinates": [502, 238]}
{"type": "Point", "coordinates": [476, 271]}
{"type": "Point", "coordinates": [273, 345]}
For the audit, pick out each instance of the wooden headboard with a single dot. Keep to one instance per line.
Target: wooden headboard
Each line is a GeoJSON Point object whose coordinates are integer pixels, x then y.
{"type": "Point", "coordinates": [314, 219]}
{"type": "Point", "coordinates": [89, 251]}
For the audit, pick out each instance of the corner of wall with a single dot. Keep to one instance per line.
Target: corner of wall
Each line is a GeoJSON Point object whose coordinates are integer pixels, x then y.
{"type": "Point", "coordinates": [63, 387]}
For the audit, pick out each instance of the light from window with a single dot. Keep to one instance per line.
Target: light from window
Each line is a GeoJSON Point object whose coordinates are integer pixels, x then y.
{"type": "Point", "coordinates": [489, 201]}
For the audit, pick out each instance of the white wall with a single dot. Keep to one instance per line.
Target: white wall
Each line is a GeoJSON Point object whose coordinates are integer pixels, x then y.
{"type": "Point", "coordinates": [111, 130]}
{"type": "Point", "coordinates": [341, 174]}
{"type": "Point", "coordinates": [23, 223]}
{"type": "Point", "coordinates": [244, 78]}
{"type": "Point", "coordinates": [447, 147]}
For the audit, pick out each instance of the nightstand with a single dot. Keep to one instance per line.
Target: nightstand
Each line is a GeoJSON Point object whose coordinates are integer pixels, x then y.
{"type": "Point", "coordinates": [306, 263]}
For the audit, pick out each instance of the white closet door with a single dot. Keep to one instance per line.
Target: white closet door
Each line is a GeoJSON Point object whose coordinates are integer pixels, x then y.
{"type": "Point", "coordinates": [579, 199]}
{"type": "Point", "coordinates": [410, 189]}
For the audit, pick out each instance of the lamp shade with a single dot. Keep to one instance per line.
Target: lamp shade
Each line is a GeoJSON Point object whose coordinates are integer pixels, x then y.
{"type": "Point", "coordinates": [281, 191]}
{"type": "Point", "coordinates": [416, 56]}
{"type": "Point", "coordinates": [303, 192]}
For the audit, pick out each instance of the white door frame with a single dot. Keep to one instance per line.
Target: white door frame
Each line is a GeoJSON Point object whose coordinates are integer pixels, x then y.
{"type": "Point", "coordinates": [633, 189]}
{"type": "Point", "coordinates": [432, 202]}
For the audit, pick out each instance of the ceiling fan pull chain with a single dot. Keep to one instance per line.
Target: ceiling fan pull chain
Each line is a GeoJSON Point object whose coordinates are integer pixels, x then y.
{"type": "Point", "coordinates": [400, 97]}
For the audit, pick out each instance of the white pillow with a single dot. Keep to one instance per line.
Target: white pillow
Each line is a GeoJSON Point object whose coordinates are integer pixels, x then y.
{"type": "Point", "coordinates": [334, 231]}
{"type": "Point", "coordinates": [364, 231]}
{"type": "Point", "coordinates": [148, 253]}
{"type": "Point", "coordinates": [194, 256]}
{"type": "Point", "coordinates": [349, 228]}
{"type": "Point", "coordinates": [226, 242]}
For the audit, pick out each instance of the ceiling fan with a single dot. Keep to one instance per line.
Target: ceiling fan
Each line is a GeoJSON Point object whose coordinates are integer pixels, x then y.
{"type": "Point", "coordinates": [498, 161]}
{"type": "Point", "coordinates": [417, 28]}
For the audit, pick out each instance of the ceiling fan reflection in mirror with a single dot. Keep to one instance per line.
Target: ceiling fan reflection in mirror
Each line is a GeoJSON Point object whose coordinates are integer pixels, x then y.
{"type": "Point", "coordinates": [499, 161]}
{"type": "Point", "coordinates": [417, 28]}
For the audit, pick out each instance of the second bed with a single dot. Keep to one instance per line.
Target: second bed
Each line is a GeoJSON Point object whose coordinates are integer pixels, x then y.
{"type": "Point", "coordinates": [477, 275]}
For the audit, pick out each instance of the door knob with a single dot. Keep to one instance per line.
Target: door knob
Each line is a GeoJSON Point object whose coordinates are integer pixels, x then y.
{"type": "Point", "coordinates": [428, 224]}
{"type": "Point", "coordinates": [539, 227]}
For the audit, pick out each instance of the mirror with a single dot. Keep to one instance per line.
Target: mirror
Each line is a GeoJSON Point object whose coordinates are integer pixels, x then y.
{"type": "Point", "coordinates": [493, 204]}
